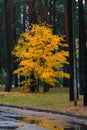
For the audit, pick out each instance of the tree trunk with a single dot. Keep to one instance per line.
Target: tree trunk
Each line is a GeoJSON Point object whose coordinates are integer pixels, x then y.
{"type": "Point", "coordinates": [54, 16]}
{"type": "Point", "coordinates": [46, 87]}
{"type": "Point", "coordinates": [46, 11]}
{"type": "Point", "coordinates": [85, 77]}
{"type": "Point", "coordinates": [66, 29]}
{"type": "Point", "coordinates": [8, 24]}
{"type": "Point", "coordinates": [24, 16]}
{"type": "Point", "coordinates": [15, 64]}
{"type": "Point", "coordinates": [70, 41]}
{"type": "Point", "coordinates": [82, 53]}
{"type": "Point", "coordinates": [32, 16]}
{"type": "Point", "coordinates": [86, 2]}
{"type": "Point", "coordinates": [50, 12]}
{"type": "Point", "coordinates": [82, 45]}
{"type": "Point", "coordinates": [0, 48]}
{"type": "Point", "coordinates": [33, 85]}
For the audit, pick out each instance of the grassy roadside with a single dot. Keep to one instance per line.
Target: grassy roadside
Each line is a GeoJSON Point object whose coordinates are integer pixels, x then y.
{"type": "Point", "coordinates": [57, 100]}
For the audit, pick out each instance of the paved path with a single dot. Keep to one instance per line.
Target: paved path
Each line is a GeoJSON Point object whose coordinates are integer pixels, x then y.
{"type": "Point", "coordinates": [22, 119]}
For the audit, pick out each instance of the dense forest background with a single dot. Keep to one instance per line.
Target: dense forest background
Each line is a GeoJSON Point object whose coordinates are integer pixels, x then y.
{"type": "Point", "coordinates": [67, 18]}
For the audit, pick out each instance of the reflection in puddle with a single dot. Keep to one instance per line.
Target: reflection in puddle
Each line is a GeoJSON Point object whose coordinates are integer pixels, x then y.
{"type": "Point", "coordinates": [52, 126]}
{"type": "Point", "coordinates": [40, 123]}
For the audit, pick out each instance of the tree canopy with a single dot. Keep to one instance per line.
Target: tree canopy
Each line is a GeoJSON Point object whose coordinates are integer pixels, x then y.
{"type": "Point", "coordinates": [41, 52]}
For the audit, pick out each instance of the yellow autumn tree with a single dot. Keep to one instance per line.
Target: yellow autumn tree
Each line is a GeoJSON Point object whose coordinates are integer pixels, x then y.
{"type": "Point", "coordinates": [41, 52]}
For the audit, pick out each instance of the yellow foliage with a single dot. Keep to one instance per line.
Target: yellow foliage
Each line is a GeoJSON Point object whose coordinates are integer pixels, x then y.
{"type": "Point", "coordinates": [41, 52]}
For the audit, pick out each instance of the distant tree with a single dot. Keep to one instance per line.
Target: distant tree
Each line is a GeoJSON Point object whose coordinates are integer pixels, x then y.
{"type": "Point", "coordinates": [3, 58]}
{"type": "Point", "coordinates": [50, 13]}
{"type": "Point", "coordinates": [39, 54]}
{"type": "Point", "coordinates": [85, 2]}
{"type": "Point", "coordinates": [32, 16]}
{"type": "Point", "coordinates": [59, 17]}
{"type": "Point", "coordinates": [46, 10]}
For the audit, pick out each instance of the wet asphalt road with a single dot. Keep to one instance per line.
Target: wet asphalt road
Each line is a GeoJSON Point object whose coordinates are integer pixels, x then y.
{"type": "Point", "coordinates": [14, 119]}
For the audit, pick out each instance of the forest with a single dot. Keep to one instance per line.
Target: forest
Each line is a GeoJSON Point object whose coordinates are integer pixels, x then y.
{"type": "Point", "coordinates": [63, 25]}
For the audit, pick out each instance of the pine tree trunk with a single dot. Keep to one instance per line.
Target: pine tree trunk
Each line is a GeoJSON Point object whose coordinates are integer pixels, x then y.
{"type": "Point", "coordinates": [46, 10]}
{"type": "Point", "coordinates": [86, 2]}
{"type": "Point", "coordinates": [24, 16]}
{"type": "Point", "coordinates": [70, 41]}
{"type": "Point", "coordinates": [82, 53]}
{"type": "Point", "coordinates": [9, 46]}
{"type": "Point", "coordinates": [32, 15]}
{"type": "Point", "coordinates": [15, 64]}
{"type": "Point", "coordinates": [54, 16]}
{"type": "Point", "coordinates": [0, 48]}
{"type": "Point", "coordinates": [50, 12]}
{"type": "Point", "coordinates": [82, 42]}
{"type": "Point", "coordinates": [66, 29]}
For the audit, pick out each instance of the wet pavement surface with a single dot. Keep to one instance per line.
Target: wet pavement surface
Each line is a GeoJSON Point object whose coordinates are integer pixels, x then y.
{"type": "Point", "coordinates": [22, 119]}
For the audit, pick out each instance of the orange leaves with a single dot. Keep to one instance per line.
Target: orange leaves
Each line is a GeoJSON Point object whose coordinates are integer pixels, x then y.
{"type": "Point", "coordinates": [41, 52]}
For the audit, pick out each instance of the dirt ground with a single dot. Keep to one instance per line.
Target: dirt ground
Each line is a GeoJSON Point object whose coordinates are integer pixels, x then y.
{"type": "Point", "coordinates": [78, 110]}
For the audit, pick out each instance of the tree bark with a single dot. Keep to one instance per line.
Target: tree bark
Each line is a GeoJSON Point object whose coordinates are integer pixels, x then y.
{"type": "Point", "coordinates": [66, 29]}
{"type": "Point", "coordinates": [54, 16]}
{"type": "Point", "coordinates": [32, 16]}
{"type": "Point", "coordinates": [46, 11]}
{"type": "Point", "coordinates": [15, 64]}
{"type": "Point", "coordinates": [50, 12]}
{"type": "Point", "coordinates": [82, 45]}
{"type": "Point", "coordinates": [70, 41]}
{"type": "Point", "coordinates": [46, 87]}
{"type": "Point", "coordinates": [8, 24]}
{"type": "Point", "coordinates": [82, 53]}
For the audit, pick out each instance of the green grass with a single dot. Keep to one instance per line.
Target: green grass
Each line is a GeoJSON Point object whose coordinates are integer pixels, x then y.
{"type": "Point", "coordinates": [53, 100]}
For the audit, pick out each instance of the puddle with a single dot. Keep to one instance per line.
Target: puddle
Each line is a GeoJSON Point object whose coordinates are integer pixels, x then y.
{"type": "Point", "coordinates": [47, 126]}
{"type": "Point", "coordinates": [8, 128]}
{"type": "Point", "coordinates": [20, 119]}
